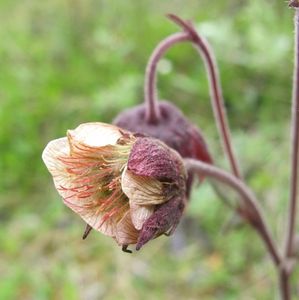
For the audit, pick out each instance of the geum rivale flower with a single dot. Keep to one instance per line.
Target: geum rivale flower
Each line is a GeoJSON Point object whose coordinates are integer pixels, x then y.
{"type": "Point", "coordinates": [126, 186]}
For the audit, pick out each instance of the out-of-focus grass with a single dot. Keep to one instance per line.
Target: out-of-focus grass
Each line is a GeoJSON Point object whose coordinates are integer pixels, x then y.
{"type": "Point", "coordinates": [68, 62]}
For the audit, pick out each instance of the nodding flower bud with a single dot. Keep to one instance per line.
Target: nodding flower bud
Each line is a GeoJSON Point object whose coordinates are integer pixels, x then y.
{"type": "Point", "coordinates": [294, 3]}
{"type": "Point", "coordinates": [126, 186]}
{"type": "Point", "coordinates": [172, 128]}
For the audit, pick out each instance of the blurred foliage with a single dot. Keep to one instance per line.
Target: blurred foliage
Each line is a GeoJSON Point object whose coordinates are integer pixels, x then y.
{"type": "Point", "coordinates": [68, 62]}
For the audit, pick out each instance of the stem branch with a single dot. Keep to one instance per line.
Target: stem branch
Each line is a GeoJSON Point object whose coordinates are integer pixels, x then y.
{"type": "Point", "coordinates": [257, 219]}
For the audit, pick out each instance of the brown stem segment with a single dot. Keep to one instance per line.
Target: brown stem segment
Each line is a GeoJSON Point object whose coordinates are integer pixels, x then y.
{"type": "Point", "coordinates": [284, 285]}
{"type": "Point", "coordinates": [254, 216]}
{"type": "Point", "coordinates": [285, 274]}
{"type": "Point", "coordinates": [205, 51]}
{"type": "Point", "coordinates": [295, 146]}
{"type": "Point", "coordinates": [150, 92]}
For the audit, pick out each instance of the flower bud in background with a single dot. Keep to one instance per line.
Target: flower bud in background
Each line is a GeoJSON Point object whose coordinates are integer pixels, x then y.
{"type": "Point", "coordinates": [120, 184]}
{"type": "Point", "coordinates": [172, 128]}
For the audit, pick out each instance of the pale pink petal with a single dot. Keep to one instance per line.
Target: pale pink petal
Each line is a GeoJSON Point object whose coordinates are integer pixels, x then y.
{"type": "Point", "coordinates": [139, 214]}
{"type": "Point", "coordinates": [126, 233]}
{"type": "Point", "coordinates": [96, 134]}
{"type": "Point", "coordinates": [52, 152]}
{"type": "Point", "coordinates": [96, 222]}
{"type": "Point", "coordinates": [77, 182]}
{"type": "Point", "coordinates": [142, 190]}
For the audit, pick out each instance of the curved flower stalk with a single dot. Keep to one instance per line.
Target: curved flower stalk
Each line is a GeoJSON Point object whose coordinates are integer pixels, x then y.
{"type": "Point", "coordinates": [120, 184]}
{"type": "Point", "coordinates": [153, 113]}
{"type": "Point", "coordinates": [163, 120]}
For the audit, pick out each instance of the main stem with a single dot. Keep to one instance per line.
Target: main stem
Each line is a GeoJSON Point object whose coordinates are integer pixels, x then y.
{"type": "Point", "coordinates": [295, 146]}
{"type": "Point", "coordinates": [205, 51]}
{"type": "Point", "coordinates": [291, 230]}
{"type": "Point", "coordinates": [284, 285]}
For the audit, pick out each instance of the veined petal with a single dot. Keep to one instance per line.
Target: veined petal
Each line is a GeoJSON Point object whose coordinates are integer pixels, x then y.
{"type": "Point", "coordinates": [96, 134]}
{"type": "Point", "coordinates": [126, 233]}
{"type": "Point", "coordinates": [142, 190]}
{"type": "Point", "coordinates": [139, 214]}
{"type": "Point", "coordinates": [55, 149]}
{"type": "Point", "coordinates": [87, 176]}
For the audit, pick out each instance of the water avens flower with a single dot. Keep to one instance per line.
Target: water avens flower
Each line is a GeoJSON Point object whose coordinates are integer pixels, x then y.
{"type": "Point", "coordinates": [126, 186]}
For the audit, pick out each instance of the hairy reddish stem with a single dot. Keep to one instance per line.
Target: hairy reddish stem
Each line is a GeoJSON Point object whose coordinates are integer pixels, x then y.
{"type": "Point", "coordinates": [284, 285]}
{"type": "Point", "coordinates": [285, 274]}
{"type": "Point", "coordinates": [295, 146]}
{"type": "Point", "coordinates": [257, 219]}
{"type": "Point", "coordinates": [150, 92]}
{"type": "Point", "coordinates": [202, 46]}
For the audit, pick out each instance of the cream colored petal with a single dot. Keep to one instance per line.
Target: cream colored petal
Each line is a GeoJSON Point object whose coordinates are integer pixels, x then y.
{"type": "Point", "coordinates": [96, 222]}
{"type": "Point", "coordinates": [126, 233]}
{"type": "Point", "coordinates": [139, 214]}
{"type": "Point", "coordinates": [68, 189]}
{"type": "Point", "coordinates": [54, 150]}
{"type": "Point", "coordinates": [142, 190]}
{"type": "Point", "coordinates": [96, 134]}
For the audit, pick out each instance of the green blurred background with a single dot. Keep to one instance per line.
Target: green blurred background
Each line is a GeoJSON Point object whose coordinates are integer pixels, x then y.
{"type": "Point", "coordinates": [66, 62]}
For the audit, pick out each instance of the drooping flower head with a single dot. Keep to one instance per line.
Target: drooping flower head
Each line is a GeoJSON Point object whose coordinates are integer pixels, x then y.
{"type": "Point", "coordinates": [126, 186]}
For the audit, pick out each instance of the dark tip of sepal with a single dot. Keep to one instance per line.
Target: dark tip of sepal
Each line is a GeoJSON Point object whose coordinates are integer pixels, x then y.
{"type": "Point", "coordinates": [148, 232]}
{"type": "Point", "coordinates": [87, 231]}
{"type": "Point", "coordinates": [124, 248]}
